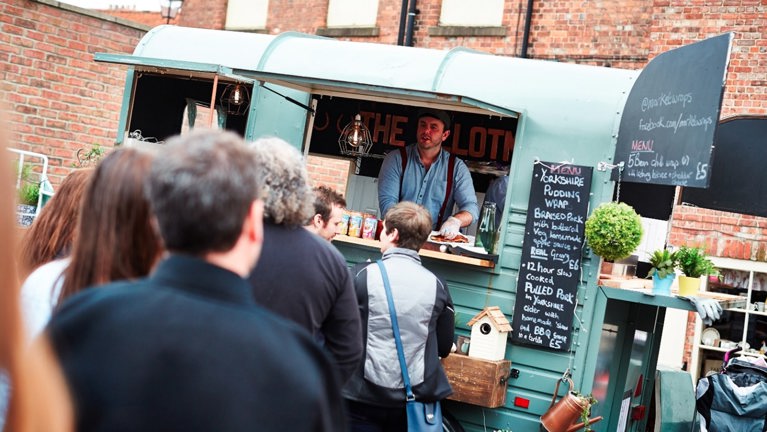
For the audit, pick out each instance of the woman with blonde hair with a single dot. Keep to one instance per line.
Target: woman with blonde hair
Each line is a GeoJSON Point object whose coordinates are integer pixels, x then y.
{"type": "Point", "coordinates": [38, 398]}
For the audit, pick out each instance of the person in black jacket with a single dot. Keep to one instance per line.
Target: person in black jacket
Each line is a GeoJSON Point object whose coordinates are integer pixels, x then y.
{"type": "Point", "coordinates": [188, 349]}
{"type": "Point", "coordinates": [375, 394]}
{"type": "Point", "coordinates": [300, 275]}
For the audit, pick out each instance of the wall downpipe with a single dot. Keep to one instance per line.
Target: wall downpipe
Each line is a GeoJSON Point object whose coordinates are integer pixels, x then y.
{"type": "Point", "coordinates": [402, 23]}
{"type": "Point", "coordinates": [526, 33]}
{"type": "Point", "coordinates": [410, 24]}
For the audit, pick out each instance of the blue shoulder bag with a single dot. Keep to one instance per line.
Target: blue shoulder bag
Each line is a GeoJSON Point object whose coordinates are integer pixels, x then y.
{"type": "Point", "coordinates": [421, 416]}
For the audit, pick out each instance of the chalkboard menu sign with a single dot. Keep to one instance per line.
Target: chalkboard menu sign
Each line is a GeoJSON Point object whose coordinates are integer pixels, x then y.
{"type": "Point", "coordinates": [668, 124]}
{"type": "Point", "coordinates": [547, 287]}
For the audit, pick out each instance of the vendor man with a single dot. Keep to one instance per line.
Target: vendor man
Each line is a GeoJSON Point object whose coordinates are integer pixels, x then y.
{"type": "Point", "coordinates": [426, 174]}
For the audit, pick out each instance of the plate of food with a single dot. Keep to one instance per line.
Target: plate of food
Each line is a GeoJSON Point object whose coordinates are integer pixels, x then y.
{"type": "Point", "coordinates": [459, 239]}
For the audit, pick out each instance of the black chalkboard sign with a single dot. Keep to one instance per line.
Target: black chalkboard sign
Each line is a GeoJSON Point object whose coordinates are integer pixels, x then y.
{"type": "Point", "coordinates": [739, 181]}
{"type": "Point", "coordinates": [547, 287]}
{"type": "Point", "coordinates": [668, 124]}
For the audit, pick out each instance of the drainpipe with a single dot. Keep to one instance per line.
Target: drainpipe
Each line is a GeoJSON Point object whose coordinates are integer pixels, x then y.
{"type": "Point", "coordinates": [526, 34]}
{"type": "Point", "coordinates": [410, 24]}
{"type": "Point", "coordinates": [402, 21]}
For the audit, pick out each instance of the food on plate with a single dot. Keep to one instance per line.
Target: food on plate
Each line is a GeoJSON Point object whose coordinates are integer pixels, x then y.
{"type": "Point", "coordinates": [442, 239]}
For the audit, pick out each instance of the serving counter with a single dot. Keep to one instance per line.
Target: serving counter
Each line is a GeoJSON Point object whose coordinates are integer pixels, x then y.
{"type": "Point", "coordinates": [429, 250]}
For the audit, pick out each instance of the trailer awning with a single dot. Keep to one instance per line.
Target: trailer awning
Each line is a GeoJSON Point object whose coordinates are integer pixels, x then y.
{"type": "Point", "coordinates": [353, 90]}
{"type": "Point", "coordinates": [311, 85]}
{"type": "Point", "coordinates": [173, 67]}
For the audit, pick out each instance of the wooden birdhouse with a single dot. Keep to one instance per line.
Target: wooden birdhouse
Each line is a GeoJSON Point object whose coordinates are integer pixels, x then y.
{"type": "Point", "coordinates": [489, 330]}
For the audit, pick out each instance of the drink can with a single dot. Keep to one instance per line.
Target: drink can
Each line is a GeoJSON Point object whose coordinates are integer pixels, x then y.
{"type": "Point", "coordinates": [355, 224]}
{"type": "Point", "coordinates": [369, 226]}
{"type": "Point", "coordinates": [343, 227]}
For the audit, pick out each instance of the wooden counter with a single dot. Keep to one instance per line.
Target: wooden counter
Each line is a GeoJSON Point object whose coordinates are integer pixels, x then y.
{"type": "Point", "coordinates": [426, 251]}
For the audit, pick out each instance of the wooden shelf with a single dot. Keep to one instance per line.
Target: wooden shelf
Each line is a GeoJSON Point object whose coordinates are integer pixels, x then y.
{"type": "Point", "coordinates": [424, 252]}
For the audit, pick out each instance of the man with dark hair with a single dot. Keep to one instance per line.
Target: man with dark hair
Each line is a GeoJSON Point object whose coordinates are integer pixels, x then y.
{"type": "Point", "coordinates": [328, 209]}
{"type": "Point", "coordinates": [188, 349]}
{"type": "Point", "coordinates": [427, 174]}
{"type": "Point", "coordinates": [375, 394]}
{"type": "Point", "coordinates": [301, 276]}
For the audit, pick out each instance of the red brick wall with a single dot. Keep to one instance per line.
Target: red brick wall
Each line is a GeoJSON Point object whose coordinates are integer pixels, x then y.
{"type": "Point", "coordinates": [57, 98]}
{"type": "Point", "coordinates": [210, 14]}
{"type": "Point", "coordinates": [720, 233]}
{"type": "Point", "coordinates": [677, 23]}
{"type": "Point", "coordinates": [327, 171]}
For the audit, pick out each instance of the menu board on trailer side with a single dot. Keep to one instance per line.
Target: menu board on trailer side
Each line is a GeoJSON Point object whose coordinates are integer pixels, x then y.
{"type": "Point", "coordinates": [667, 128]}
{"type": "Point", "coordinates": [550, 267]}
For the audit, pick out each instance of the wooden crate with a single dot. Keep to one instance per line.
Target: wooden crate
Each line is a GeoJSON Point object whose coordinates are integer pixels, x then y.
{"type": "Point", "coordinates": [477, 381]}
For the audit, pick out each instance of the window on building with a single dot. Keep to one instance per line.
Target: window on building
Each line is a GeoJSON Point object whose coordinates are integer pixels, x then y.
{"type": "Point", "coordinates": [477, 13]}
{"type": "Point", "coordinates": [246, 14]}
{"type": "Point", "coordinates": [352, 13]}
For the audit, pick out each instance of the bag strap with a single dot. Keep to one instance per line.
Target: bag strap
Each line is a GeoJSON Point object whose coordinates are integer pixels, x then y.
{"type": "Point", "coordinates": [395, 330]}
{"type": "Point", "coordinates": [448, 189]}
{"type": "Point", "coordinates": [403, 156]}
{"type": "Point", "coordinates": [450, 169]}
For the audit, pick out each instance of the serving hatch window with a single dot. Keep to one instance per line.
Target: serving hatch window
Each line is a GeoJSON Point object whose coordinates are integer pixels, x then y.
{"type": "Point", "coordinates": [484, 141]}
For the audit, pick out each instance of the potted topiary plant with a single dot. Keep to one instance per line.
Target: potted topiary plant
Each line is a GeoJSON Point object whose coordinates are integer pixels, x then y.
{"type": "Point", "coordinates": [692, 261]}
{"type": "Point", "coordinates": [663, 263]}
{"type": "Point", "coordinates": [613, 231]}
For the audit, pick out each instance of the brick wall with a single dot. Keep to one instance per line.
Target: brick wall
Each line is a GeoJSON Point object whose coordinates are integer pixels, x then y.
{"type": "Point", "coordinates": [210, 14]}
{"type": "Point", "coordinates": [720, 233]}
{"type": "Point", "coordinates": [677, 23]}
{"type": "Point", "coordinates": [328, 171]}
{"type": "Point", "coordinates": [57, 98]}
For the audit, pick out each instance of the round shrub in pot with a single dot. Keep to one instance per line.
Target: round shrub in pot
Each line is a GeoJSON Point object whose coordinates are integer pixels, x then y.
{"type": "Point", "coordinates": [614, 230]}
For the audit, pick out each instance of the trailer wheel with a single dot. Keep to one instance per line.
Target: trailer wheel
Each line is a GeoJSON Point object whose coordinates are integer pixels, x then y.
{"type": "Point", "coordinates": [450, 424]}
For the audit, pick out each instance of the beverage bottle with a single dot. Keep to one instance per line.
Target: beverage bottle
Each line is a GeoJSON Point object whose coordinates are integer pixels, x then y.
{"type": "Point", "coordinates": [486, 230]}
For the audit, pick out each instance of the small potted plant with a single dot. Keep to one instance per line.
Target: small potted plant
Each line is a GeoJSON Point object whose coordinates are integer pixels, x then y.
{"type": "Point", "coordinates": [28, 194]}
{"type": "Point", "coordinates": [663, 263]}
{"type": "Point", "coordinates": [692, 261]}
{"type": "Point", "coordinates": [613, 231]}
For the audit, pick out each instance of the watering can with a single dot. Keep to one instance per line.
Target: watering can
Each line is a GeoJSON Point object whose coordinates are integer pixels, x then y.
{"type": "Point", "coordinates": [561, 415]}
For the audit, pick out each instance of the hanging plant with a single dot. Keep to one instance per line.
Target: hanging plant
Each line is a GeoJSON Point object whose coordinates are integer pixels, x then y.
{"type": "Point", "coordinates": [614, 230]}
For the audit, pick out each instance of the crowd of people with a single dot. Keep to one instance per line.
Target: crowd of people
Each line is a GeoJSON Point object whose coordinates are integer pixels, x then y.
{"type": "Point", "coordinates": [197, 289]}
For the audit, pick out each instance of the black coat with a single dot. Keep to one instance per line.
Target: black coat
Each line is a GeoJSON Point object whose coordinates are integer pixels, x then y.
{"type": "Point", "coordinates": [189, 350]}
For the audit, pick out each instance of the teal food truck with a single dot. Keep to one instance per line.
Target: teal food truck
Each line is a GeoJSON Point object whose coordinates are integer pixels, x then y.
{"type": "Point", "coordinates": [568, 136]}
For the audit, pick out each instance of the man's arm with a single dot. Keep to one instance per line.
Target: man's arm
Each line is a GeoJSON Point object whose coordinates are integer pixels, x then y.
{"type": "Point", "coordinates": [342, 329]}
{"type": "Point", "coordinates": [389, 181]}
{"type": "Point", "coordinates": [464, 196]}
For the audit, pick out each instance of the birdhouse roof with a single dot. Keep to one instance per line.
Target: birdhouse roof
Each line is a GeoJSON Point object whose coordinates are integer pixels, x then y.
{"type": "Point", "coordinates": [495, 315]}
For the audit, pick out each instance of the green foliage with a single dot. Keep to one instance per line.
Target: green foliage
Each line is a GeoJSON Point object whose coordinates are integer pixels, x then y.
{"type": "Point", "coordinates": [29, 193]}
{"type": "Point", "coordinates": [29, 190]}
{"type": "Point", "coordinates": [89, 157]}
{"type": "Point", "coordinates": [692, 261]}
{"type": "Point", "coordinates": [663, 263]}
{"type": "Point", "coordinates": [586, 411]}
{"type": "Point", "coordinates": [614, 230]}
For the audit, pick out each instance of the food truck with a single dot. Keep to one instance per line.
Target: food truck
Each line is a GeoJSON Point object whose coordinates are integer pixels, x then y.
{"type": "Point", "coordinates": [559, 131]}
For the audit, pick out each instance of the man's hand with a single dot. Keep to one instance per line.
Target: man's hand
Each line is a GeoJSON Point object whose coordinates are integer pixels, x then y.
{"type": "Point", "coordinates": [450, 228]}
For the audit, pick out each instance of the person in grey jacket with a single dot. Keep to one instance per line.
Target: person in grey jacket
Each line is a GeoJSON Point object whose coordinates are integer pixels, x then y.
{"type": "Point", "coordinates": [375, 394]}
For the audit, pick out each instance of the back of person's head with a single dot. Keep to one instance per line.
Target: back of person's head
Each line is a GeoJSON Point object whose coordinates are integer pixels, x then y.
{"type": "Point", "coordinates": [202, 188]}
{"type": "Point", "coordinates": [325, 199]}
{"type": "Point", "coordinates": [38, 398]}
{"type": "Point", "coordinates": [116, 238]}
{"type": "Point", "coordinates": [52, 234]}
{"type": "Point", "coordinates": [289, 199]}
{"type": "Point", "coordinates": [412, 221]}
